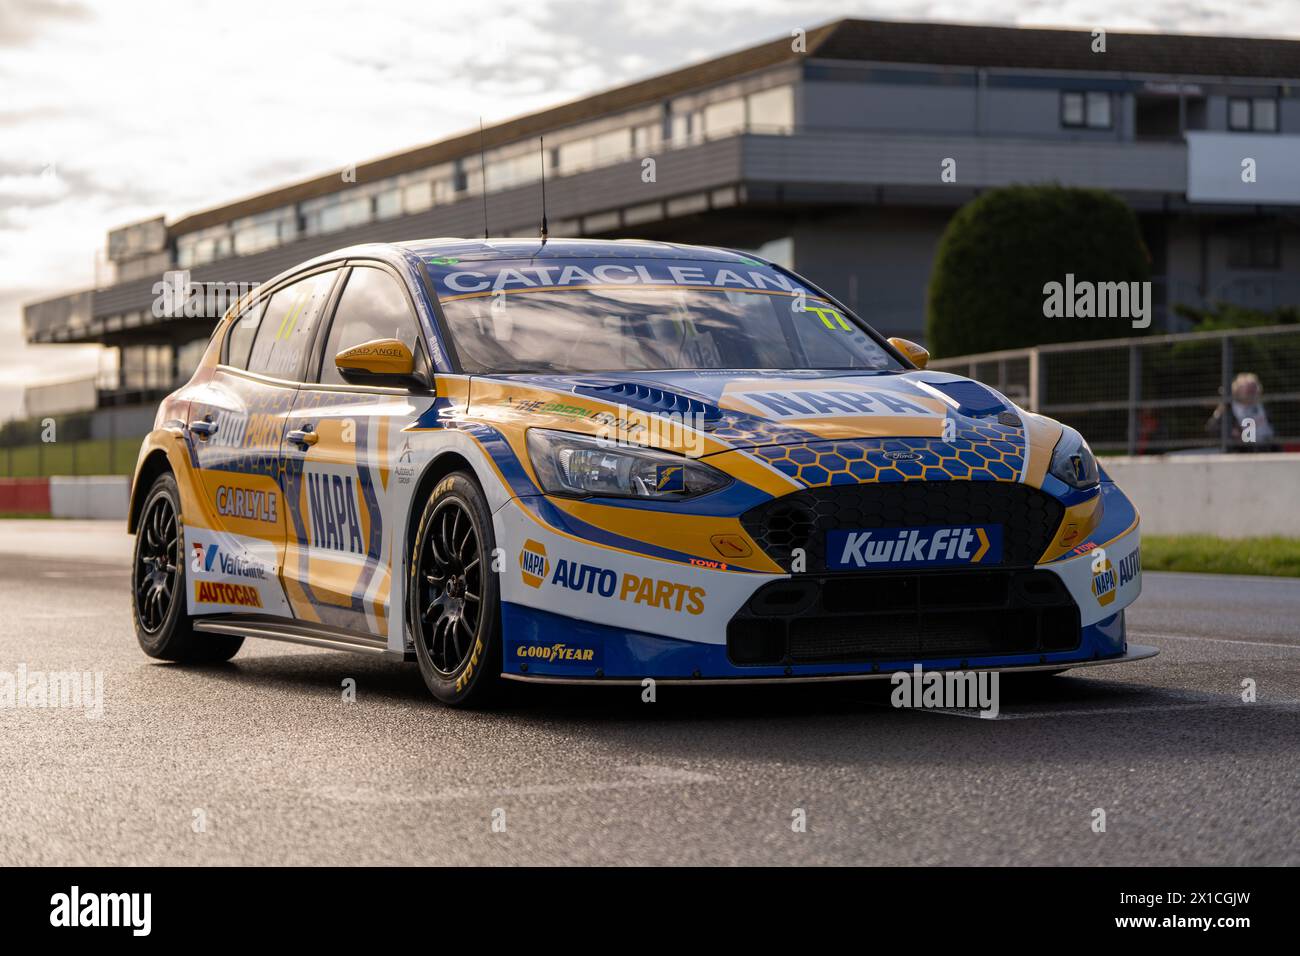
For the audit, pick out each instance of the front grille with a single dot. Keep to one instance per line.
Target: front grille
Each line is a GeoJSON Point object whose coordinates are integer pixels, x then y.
{"type": "Point", "coordinates": [882, 616]}
{"type": "Point", "coordinates": [1029, 517]}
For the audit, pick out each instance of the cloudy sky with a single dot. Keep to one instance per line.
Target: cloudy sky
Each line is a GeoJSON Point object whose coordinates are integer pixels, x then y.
{"type": "Point", "coordinates": [118, 110]}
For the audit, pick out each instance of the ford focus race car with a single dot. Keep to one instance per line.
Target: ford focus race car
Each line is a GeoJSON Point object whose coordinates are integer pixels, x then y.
{"type": "Point", "coordinates": [581, 461]}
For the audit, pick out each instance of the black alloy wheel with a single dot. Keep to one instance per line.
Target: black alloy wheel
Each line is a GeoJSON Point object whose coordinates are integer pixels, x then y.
{"type": "Point", "coordinates": [453, 594]}
{"type": "Point", "coordinates": [157, 573]}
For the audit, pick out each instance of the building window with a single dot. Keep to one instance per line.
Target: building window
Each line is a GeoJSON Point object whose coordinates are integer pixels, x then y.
{"type": "Point", "coordinates": [1256, 250]}
{"type": "Point", "coordinates": [576, 156]}
{"type": "Point", "coordinates": [334, 213]}
{"type": "Point", "coordinates": [1099, 110]}
{"type": "Point", "coordinates": [647, 138]}
{"type": "Point", "coordinates": [417, 197]}
{"type": "Point", "coordinates": [686, 128]}
{"type": "Point", "coordinates": [1252, 115]}
{"type": "Point", "coordinates": [724, 119]}
{"type": "Point", "coordinates": [388, 204]}
{"type": "Point", "coordinates": [772, 111]}
{"type": "Point", "coordinates": [1264, 115]}
{"type": "Point", "coordinates": [1086, 110]}
{"type": "Point", "coordinates": [146, 367]}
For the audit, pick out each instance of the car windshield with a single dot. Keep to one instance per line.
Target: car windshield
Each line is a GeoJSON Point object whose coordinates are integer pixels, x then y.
{"type": "Point", "coordinates": [572, 316]}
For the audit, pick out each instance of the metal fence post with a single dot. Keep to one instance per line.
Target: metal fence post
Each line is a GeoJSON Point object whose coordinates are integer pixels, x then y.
{"type": "Point", "coordinates": [1225, 390]}
{"type": "Point", "coordinates": [1035, 381]}
{"type": "Point", "coordinates": [1134, 394]}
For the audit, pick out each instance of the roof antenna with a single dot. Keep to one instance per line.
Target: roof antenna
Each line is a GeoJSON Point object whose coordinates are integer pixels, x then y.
{"type": "Point", "coordinates": [482, 165]}
{"type": "Point", "coordinates": [541, 148]}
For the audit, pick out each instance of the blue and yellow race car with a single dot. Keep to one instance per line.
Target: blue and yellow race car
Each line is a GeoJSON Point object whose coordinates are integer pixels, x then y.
{"type": "Point", "coordinates": [575, 461]}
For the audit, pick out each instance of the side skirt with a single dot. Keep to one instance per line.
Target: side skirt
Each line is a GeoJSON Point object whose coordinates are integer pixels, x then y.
{"type": "Point", "coordinates": [297, 632]}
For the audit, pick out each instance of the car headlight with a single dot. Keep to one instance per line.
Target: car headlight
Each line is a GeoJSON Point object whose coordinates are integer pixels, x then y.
{"type": "Point", "coordinates": [579, 465]}
{"type": "Point", "coordinates": [1073, 461]}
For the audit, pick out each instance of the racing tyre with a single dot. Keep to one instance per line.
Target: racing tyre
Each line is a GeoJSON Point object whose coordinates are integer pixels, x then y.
{"type": "Point", "coordinates": [454, 605]}
{"type": "Point", "coordinates": [162, 625]}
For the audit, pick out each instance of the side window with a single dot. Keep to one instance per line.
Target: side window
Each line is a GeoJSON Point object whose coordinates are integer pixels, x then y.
{"type": "Point", "coordinates": [284, 336]}
{"type": "Point", "coordinates": [373, 306]}
{"type": "Point", "coordinates": [239, 340]}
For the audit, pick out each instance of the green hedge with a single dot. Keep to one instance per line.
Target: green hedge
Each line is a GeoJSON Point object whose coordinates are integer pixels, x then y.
{"type": "Point", "coordinates": [998, 252]}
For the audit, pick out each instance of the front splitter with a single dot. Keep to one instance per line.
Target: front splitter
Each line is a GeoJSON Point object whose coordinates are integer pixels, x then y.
{"type": "Point", "coordinates": [1134, 652]}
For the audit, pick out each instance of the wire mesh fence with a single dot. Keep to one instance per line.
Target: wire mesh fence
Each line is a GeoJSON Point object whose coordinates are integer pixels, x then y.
{"type": "Point", "coordinates": [66, 445]}
{"type": "Point", "coordinates": [1236, 390]}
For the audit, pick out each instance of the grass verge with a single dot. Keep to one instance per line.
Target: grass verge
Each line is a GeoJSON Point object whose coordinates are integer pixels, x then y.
{"type": "Point", "coordinates": [1279, 557]}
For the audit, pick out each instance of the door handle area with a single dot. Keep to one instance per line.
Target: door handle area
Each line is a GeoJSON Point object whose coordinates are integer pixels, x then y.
{"type": "Point", "coordinates": [303, 436]}
{"type": "Point", "coordinates": [204, 429]}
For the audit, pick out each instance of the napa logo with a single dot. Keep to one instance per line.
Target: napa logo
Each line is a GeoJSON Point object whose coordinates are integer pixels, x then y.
{"type": "Point", "coordinates": [831, 403]}
{"type": "Point", "coordinates": [1105, 579]}
{"type": "Point", "coordinates": [533, 563]}
{"type": "Point", "coordinates": [334, 509]}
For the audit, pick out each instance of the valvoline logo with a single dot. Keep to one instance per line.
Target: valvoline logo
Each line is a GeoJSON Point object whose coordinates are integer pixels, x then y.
{"type": "Point", "coordinates": [929, 546]}
{"type": "Point", "coordinates": [211, 558]}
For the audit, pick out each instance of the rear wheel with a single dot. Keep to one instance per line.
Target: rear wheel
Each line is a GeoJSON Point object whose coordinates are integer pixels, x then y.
{"type": "Point", "coordinates": [454, 597]}
{"type": "Point", "coordinates": [162, 625]}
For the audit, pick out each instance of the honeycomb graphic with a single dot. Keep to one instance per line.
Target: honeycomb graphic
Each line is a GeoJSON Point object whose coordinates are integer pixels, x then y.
{"type": "Point", "coordinates": [979, 453]}
{"type": "Point", "coordinates": [980, 450]}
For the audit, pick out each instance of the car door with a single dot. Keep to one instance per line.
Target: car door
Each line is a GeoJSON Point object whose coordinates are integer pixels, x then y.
{"type": "Point", "coordinates": [237, 420]}
{"type": "Point", "coordinates": [342, 489]}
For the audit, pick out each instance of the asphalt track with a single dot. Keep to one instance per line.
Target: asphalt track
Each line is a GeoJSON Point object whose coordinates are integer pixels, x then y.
{"type": "Point", "coordinates": [265, 752]}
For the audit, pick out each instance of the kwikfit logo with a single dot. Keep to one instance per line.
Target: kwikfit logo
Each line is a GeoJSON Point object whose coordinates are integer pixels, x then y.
{"type": "Point", "coordinates": [932, 546]}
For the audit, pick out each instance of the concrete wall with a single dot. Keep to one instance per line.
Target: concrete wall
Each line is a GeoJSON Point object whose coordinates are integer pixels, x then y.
{"type": "Point", "coordinates": [1231, 496]}
{"type": "Point", "coordinates": [94, 496]}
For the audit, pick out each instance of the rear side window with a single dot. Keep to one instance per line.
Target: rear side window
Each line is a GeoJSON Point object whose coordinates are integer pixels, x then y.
{"type": "Point", "coordinates": [373, 306]}
{"type": "Point", "coordinates": [239, 340]}
{"type": "Point", "coordinates": [284, 335]}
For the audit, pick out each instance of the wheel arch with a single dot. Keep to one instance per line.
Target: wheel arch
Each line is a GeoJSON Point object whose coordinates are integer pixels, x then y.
{"type": "Point", "coordinates": [437, 469]}
{"type": "Point", "coordinates": [154, 464]}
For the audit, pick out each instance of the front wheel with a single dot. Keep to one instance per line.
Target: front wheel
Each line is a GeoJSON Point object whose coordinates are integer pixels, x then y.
{"type": "Point", "coordinates": [454, 607]}
{"type": "Point", "coordinates": [162, 625]}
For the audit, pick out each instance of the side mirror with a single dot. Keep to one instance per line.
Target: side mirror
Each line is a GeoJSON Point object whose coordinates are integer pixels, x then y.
{"type": "Point", "coordinates": [379, 362]}
{"type": "Point", "coordinates": [914, 353]}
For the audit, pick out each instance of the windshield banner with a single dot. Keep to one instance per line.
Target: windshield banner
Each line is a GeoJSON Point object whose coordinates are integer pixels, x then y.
{"type": "Point", "coordinates": [455, 280]}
